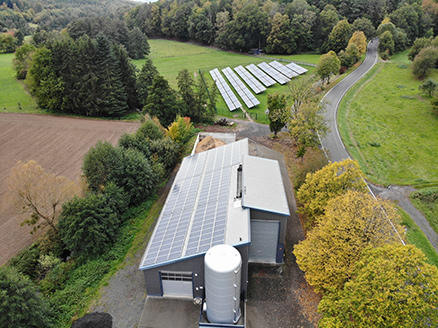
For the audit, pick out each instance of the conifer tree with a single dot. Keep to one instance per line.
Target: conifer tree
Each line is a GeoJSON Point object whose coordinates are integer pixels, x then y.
{"type": "Point", "coordinates": [144, 80]}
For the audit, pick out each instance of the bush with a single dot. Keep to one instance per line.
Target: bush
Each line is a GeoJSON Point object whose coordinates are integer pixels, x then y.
{"type": "Point", "coordinates": [26, 262]}
{"type": "Point", "coordinates": [181, 130]}
{"type": "Point", "coordinates": [134, 141]}
{"type": "Point", "coordinates": [418, 45]}
{"type": "Point", "coordinates": [88, 225]}
{"type": "Point", "coordinates": [56, 278]}
{"type": "Point", "coordinates": [150, 130]}
{"type": "Point", "coordinates": [165, 152]}
{"type": "Point", "coordinates": [425, 61]}
{"type": "Point", "coordinates": [21, 306]}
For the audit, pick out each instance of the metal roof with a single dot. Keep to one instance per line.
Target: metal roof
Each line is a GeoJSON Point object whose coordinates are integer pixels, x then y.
{"type": "Point", "coordinates": [201, 209]}
{"type": "Point", "coordinates": [263, 187]}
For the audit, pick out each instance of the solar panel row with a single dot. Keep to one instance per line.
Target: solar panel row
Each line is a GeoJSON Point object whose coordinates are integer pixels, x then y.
{"type": "Point", "coordinates": [276, 75]}
{"type": "Point", "coordinates": [253, 83]}
{"type": "Point", "coordinates": [225, 90]}
{"type": "Point", "coordinates": [262, 76]}
{"type": "Point", "coordinates": [249, 99]}
{"type": "Point", "coordinates": [283, 69]}
{"type": "Point", "coordinates": [297, 68]}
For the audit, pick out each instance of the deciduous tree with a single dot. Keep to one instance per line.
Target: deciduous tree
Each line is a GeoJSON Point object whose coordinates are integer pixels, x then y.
{"type": "Point", "coordinates": [278, 112]}
{"type": "Point", "coordinates": [328, 65]}
{"type": "Point", "coordinates": [365, 25]}
{"type": "Point", "coordinates": [418, 45]}
{"type": "Point", "coordinates": [39, 195]}
{"type": "Point", "coordinates": [339, 36]}
{"type": "Point", "coordinates": [359, 39]}
{"type": "Point", "coordinates": [352, 222]}
{"type": "Point", "coordinates": [428, 87]}
{"type": "Point", "coordinates": [392, 286]}
{"type": "Point", "coordinates": [281, 39]}
{"type": "Point", "coordinates": [23, 59]}
{"type": "Point", "coordinates": [425, 61]}
{"type": "Point", "coordinates": [331, 181]}
{"type": "Point", "coordinates": [386, 43]}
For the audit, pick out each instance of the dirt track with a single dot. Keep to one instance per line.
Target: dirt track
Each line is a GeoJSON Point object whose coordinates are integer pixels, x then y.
{"type": "Point", "coordinates": [58, 144]}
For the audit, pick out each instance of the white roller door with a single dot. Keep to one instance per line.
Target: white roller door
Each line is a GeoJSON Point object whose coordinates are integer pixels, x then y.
{"type": "Point", "coordinates": [264, 241]}
{"type": "Point", "coordinates": [177, 284]}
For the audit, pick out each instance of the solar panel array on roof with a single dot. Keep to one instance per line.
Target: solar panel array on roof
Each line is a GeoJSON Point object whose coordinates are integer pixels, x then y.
{"type": "Point", "coordinates": [283, 69]}
{"type": "Point", "coordinates": [276, 75]}
{"type": "Point", "coordinates": [253, 83]}
{"type": "Point", "coordinates": [297, 68]}
{"type": "Point", "coordinates": [249, 99]}
{"type": "Point", "coordinates": [262, 76]}
{"type": "Point", "coordinates": [194, 217]}
{"type": "Point", "coordinates": [225, 90]}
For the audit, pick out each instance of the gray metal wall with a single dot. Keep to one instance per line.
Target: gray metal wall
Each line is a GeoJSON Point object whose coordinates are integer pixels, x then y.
{"type": "Point", "coordinates": [195, 265]}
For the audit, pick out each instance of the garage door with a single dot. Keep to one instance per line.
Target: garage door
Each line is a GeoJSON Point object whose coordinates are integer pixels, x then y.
{"type": "Point", "coordinates": [177, 284]}
{"type": "Point", "coordinates": [264, 241]}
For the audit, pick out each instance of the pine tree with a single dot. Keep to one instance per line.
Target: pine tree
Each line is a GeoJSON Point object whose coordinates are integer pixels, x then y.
{"type": "Point", "coordinates": [128, 71]}
{"type": "Point", "coordinates": [144, 80]}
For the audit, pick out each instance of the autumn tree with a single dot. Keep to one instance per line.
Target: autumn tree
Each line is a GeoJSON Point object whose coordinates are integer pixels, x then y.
{"type": "Point", "coordinates": [39, 195]}
{"type": "Point", "coordinates": [392, 286]}
{"type": "Point", "coordinates": [359, 39]}
{"type": "Point", "coordinates": [328, 65]}
{"type": "Point", "coordinates": [339, 36]}
{"type": "Point", "coordinates": [277, 112]}
{"type": "Point", "coordinates": [351, 223]}
{"type": "Point", "coordinates": [329, 182]}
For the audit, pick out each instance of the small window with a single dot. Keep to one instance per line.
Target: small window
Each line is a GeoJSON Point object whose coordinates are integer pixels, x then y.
{"type": "Point", "coordinates": [176, 276]}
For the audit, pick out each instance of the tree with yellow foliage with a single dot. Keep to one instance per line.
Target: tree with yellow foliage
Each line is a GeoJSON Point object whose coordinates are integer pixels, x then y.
{"type": "Point", "coordinates": [392, 286]}
{"type": "Point", "coordinates": [352, 222]}
{"type": "Point", "coordinates": [359, 39]}
{"type": "Point", "coordinates": [331, 181]}
{"type": "Point", "coordinates": [39, 195]}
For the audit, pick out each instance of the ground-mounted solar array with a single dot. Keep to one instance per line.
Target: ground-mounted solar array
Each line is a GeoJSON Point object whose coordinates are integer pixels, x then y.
{"type": "Point", "coordinates": [276, 75]}
{"type": "Point", "coordinates": [245, 94]}
{"type": "Point", "coordinates": [250, 80]}
{"type": "Point", "coordinates": [297, 68]}
{"type": "Point", "coordinates": [283, 69]}
{"type": "Point", "coordinates": [260, 75]}
{"type": "Point", "coordinates": [225, 90]}
{"type": "Point", "coordinates": [194, 217]}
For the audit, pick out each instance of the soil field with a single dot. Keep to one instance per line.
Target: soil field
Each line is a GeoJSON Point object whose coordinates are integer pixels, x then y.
{"type": "Point", "coordinates": [58, 144]}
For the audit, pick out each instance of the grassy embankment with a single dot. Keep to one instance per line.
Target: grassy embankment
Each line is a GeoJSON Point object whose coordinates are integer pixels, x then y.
{"type": "Point", "coordinates": [391, 129]}
{"type": "Point", "coordinates": [170, 57]}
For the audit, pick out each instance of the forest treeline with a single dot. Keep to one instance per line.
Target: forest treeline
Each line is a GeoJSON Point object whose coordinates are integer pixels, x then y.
{"type": "Point", "coordinates": [279, 26]}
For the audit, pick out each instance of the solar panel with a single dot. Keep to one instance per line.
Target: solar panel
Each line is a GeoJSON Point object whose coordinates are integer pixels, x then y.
{"type": "Point", "coordinates": [297, 68]}
{"type": "Point", "coordinates": [283, 69]}
{"type": "Point", "coordinates": [276, 75]}
{"type": "Point", "coordinates": [195, 214]}
{"type": "Point", "coordinates": [248, 98]}
{"type": "Point", "coordinates": [262, 76]}
{"type": "Point", "coordinates": [225, 90]}
{"type": "Point", "coordinates": [250, 80]}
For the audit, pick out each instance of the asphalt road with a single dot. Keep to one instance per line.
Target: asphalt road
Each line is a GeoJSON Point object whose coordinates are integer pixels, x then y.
{"type": "Point", "coordinates": [332, 142]}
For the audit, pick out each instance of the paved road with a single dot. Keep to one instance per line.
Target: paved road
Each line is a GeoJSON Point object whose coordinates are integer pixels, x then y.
{"type": "Point", "coordinates": [332, 142]}
{"type": "Point", "coordinates": [335, 149]}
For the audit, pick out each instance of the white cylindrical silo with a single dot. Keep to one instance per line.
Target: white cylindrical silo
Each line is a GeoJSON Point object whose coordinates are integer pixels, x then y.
{"type": "Point", "coordinates": [223, 265]}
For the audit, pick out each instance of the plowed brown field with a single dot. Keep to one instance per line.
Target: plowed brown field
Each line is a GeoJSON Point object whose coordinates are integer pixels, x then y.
{"type": "Point", "coordinates": [58, 144]}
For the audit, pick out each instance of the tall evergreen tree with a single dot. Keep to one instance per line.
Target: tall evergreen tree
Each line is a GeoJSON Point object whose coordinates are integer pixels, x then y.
{"type": "Point", "coordinates": [138, 46]}
{"type": "Point", "coordinates": [128, 74]}
{"type": "Point", "coordinates": [144, 80]}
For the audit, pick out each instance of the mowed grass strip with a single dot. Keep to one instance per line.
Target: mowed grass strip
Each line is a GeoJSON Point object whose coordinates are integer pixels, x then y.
{"type": "Point", "coordinates": [426, 200]}
{"type": "Point", "coordinates": [13, 96]}
{"type": "Point", "coordinates": [390, 127]}
{"type": "Point", "coordinates": [170, 57]}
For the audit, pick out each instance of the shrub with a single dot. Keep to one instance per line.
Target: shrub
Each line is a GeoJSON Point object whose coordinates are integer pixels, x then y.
{"type": "Point", "coordinates": [418, 45]}
{"type": "Point", "coordinates": [46, 263]}
{"type": "Point", "coordinates": [166, 152]}
{"type": "Point", "coordinates": [150, 130]}
{"type": "Point", "coordinates": [181, 130]}
{"type": "Point", "coordinates": [21, 306]}
{"type": "Point", "coordinates": [56, 278]}
{"type": "Point", "coordinates": [134, 141]}
{"type": "Point", "coordinates": [425, 61]}
{"type": "Point", "coordinates": [26, 262]}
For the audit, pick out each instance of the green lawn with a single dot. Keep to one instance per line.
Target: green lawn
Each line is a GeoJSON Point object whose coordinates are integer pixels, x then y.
{"type": "Point", "coordinates": [170, 57]}
{"type": "Point", "coordinates": [12, 92]}
{"type": "Point", "coordinates": [389, 127]}
{"type": "Point", "coordinates": [303, 58]}
{"type": "Point", "coordinates": [426, 200]}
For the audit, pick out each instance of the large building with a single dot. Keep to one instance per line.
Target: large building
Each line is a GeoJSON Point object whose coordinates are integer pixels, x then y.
{"type": "Point", "coordinates": [225, 195]}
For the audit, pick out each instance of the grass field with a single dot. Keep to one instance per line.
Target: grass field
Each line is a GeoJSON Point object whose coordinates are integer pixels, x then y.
{"type": "Point", "coordinates": [389, 127]}
{"type": "Point", "coordinates": [426, 200]}
{"type": "Point", "coordinates": [170, 57]}
{"type": "Point", "coordinates": [12, 93]}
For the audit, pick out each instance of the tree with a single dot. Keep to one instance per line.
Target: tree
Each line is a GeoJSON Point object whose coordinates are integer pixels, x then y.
{"type": "Point", "coordinates": [161, 101]}
{"type": "Point", "coordinates": [7, 43]}
{"type": "Point", "coordinates": [329, 182]}
{"type": "Point", "coordinates": [392, 286]}
{"type": "Point", "coordinates": [181, 130]}
{"type": "Point", "coordinates": [281, 39]}
{"type": "Point", "coordinates": [305, 124]}
{"type": "Point", "coordinates": [327, 19]}
{"type": "Point", "coordinates": [365, 25]}
{"type": "Point", "coordinates": [138, 46]}
{"type": "Point", "coordinates": [339, 36]}
{"type": "Point", "coordinates": [386, 43]}
{"type": "Point", "coordinates": [301, 90]}
{"type": "Point", "coordinates": [21, 304]}
{"type": "Point", "coordinates": [352, 222]}
{"type": "Point", "coordinates": [278, 112]}
{"type": "Point", "coordinates": [350, 56]}
{"type": "Point", "coordinates": [328, 65]}
{"type": "Point", "coordinates": [200, 27]}
{"type": "Point", "coordinates": [39, 195]}
{"type": "Point", "coordinates": [144, 80]}
{"type": "Point", "coordinates": [418, 45]}
{"type": "Point", "coordinates": [425, 61]}
{"type": "Point", "coordinates": [359, 39]}
{"type": "Point", "coordinates": [428, 87]}
{"type": "Point", "coordinates": [23, 59]}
